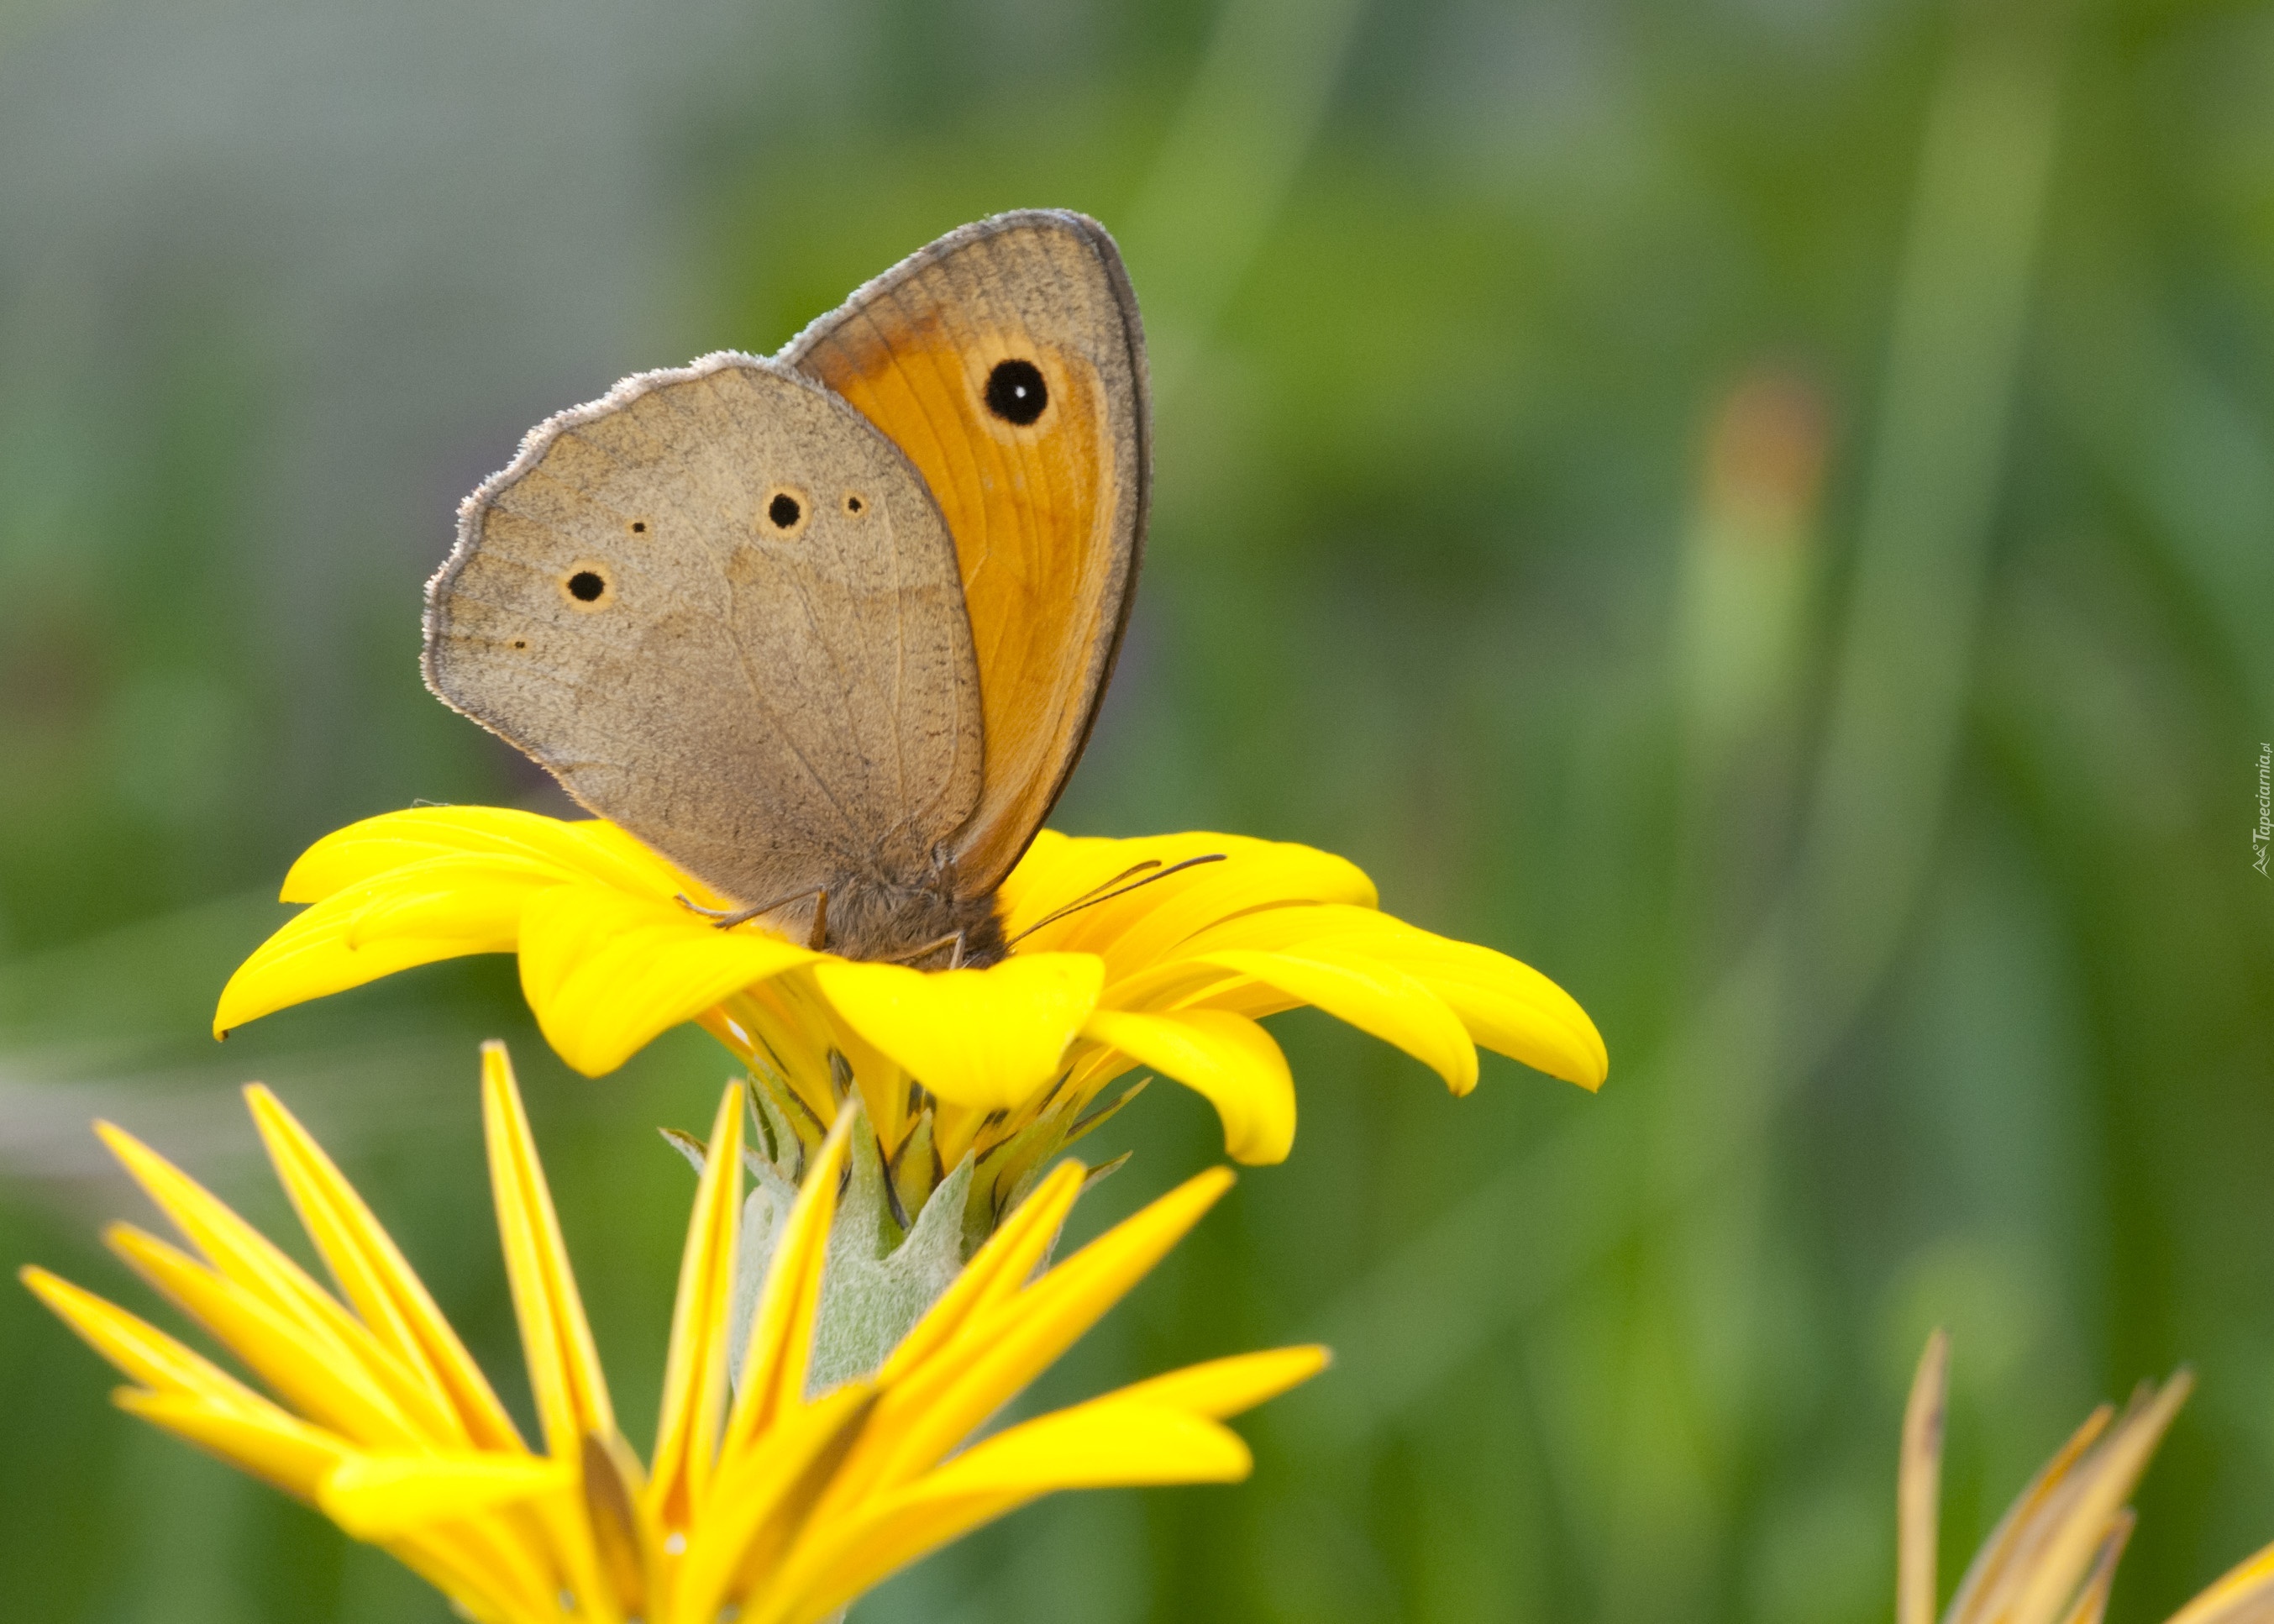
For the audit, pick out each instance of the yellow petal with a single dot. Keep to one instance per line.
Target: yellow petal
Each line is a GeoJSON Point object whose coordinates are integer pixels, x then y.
{"type": "Point", "coordinates": [1004, 1348]}
{"type": "Point", "coordinates": [1156, 1431]}
{"type": "Point", "coordinates": [988, 1038]}
{"type": "Point", "coordinates": [1226, 1058]}
{"type": "Point", "coordinates": [377, 1279]}
{"type": "Point", "coordinates": [140, 1348]}
{"type": "Point", "coordinates": [272, 1315]}
{"type": "Point", "coordinates": [477, 899]}
{"type": "Point", "coordinates": [1223, 1388]}
{"type": "Point", "coordinates": [695, 1370]}
{"type": "Point", "coordinates": [494, 1568]}
{"type": "Point", "coordinates": [1918, 1484]}
{"type": "Point", "coordinates": [2035, 1561]}
{"type": "Point", "coordinates": [454, 1561]}
{"type": "Point", "coordinates": [308, 957]}
{"type": "Point", "coordinates": [1507, 1006]}
{"type": "Point", "coordinates": [1373, 996]}
{"type": "Point", "coordinates": [781, 1331]}
{"type": "Point", "coordinates": [997, 1271]}
{"type": "Point", "coordinates": [1101, 1444]}
{"type": "Point", "coordinates": [236, 1249]}
{"type": "Point", "coordinates": [579, 848]}
{"type": "Point", "coordinates": [564, 1368]}
{"type": "Point", "coordinates": [410, 887]}
{"type": "Point", "coordinates": [272, 1445]}
{"type": "Point", "coordinates": [955, 1129]}
{"type": "Point", "coordinates": [786, 1026]}
{"type": "Point", "coordinates": [414, 912]}
{"type": "Point", "coordinates": [1158, 922]}
{"type": "Point", "coordinates": [2247, 1586]}
{"type": "Point", "coordinates": [2063, 1552]}
{"type": "Point", "coordinates": [313, 1375]}
{"type": "Point", "coordinates": [1096, 1447]}
{"type": "Point", "coordinates": [839, 1563]}
{"type": "Point", "coordinates": [380, 1496]}
{"type": "Point", "coordinates": [2091, 1604]}
{"type": "Point", "coordinates": [759, 1504]}
{"type": "Point", "coordinates": [1152, 921]}
{"type": "Point", "coordinates": [2003, 1555]}
{"type": "Point", "coordinates": [605, 972]}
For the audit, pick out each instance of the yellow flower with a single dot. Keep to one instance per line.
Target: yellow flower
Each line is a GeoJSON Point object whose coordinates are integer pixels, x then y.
{"type": "Point", "coordinates": [764, 1503]}
{"type": "Point", "coordinates": [1170, 976]}
{"type": "Point", "coordinates": [2052, 1557]}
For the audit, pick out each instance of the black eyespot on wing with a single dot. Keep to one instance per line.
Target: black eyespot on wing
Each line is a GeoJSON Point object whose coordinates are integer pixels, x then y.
{"type": "Point", "coordinates": [1016, 392]}
{"type": "Point", "coordinates": [639, 527]}
{"type": "Point", "coordinates": [587, 586]}
{"type": "Point", "coordinates": [784, 511]}
{"type": "Point", "coordinates": [853, 505]}
{"type": "Point", "coordinates": [521, 642]}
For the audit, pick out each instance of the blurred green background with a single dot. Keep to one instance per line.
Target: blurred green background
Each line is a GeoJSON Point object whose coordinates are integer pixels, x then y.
{"type": "Point", "coordinates": [1762, 509]}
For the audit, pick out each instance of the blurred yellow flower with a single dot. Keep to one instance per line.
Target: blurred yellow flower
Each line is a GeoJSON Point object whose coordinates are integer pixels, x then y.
{"type": "Point", "coordinates": [764, 1502]}
{"type": "Point", "coordinates": [1171, 975]}
{"type": "Point", "coordinates": [2052, 1557]}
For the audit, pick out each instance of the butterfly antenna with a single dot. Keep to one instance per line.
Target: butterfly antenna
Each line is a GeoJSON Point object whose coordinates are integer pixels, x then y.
{"type": "Point", "coordinates": [1107, 885]}
{"type": "Point", "coordinates": [1101, 894]}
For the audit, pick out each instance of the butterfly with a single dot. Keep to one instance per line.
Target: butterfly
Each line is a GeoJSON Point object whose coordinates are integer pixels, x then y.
{"type": "Point", "coordinates": [829, 630]}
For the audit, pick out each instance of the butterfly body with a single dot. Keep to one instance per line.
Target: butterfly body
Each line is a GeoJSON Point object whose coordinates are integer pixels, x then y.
{"type": "Point", "coordinates": [925, 920]}
{"type": "Point", "coordinates": [829, 630]}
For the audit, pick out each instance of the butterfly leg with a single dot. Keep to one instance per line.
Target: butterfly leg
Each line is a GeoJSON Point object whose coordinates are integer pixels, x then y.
{"type": "Point", "coordinates": [727, 920]}
{"type": "Point", "coordinates": [955, 941]}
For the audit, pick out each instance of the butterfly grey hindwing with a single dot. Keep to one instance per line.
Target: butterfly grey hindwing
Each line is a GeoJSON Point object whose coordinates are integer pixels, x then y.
{"type": "Point", "coordinates": [723, 610]}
